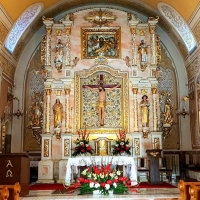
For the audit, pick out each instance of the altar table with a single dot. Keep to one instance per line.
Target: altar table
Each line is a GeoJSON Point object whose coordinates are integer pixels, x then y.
{"type": "Point", "coordinates": [97, 160]}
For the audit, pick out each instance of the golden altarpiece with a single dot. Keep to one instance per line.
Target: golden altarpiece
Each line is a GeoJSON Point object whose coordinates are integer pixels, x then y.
{"type": "Point", "coordinates": [83, 50]}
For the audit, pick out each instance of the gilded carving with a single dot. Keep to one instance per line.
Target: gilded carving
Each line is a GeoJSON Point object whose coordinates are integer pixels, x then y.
{"type": "Point", "coordinates": [133, 31]}
{"type": "Point", "coordinates": [152, 29]}
{"type": "Point", "coordinates": [154, 90]}
{"type": "Point", "coordinates": [48, 30]}
{"type": "Point", "coordinates": [142, 31]}
{"type": "Point", "coordinates": [66, 147]}
{"type": "Point", "coordinates": [43, 49]}
{"type": "Point", "coordinates": [58, 92]}
{"type": "Point", "coordinates": [135, 90]}
{"type": "Point", "coordinates": [79, 77]}
{"type": "Point", "coordinates": [67, 91]}
{"type": "Point", "coordinates": [144, 91]}
{"type": "Point", "coordinates": [157, 143]}
{"type": "Point", "coordinates": [59, 32]}
{"type": "Point", "coordinates": [48, 91]}
{"type": "Point", "coordinates": [137, 146]}
{"type": "Point", "coordinates": [100, 18]}
{"type": "Point", "coordinates": [68, 31]}
{"type": "Point", "coordinates": [46, 148]}
{"type": "Point", "coordinates": [158, 49]}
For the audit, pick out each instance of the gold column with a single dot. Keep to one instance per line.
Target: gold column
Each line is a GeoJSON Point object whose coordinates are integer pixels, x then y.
{"type": "Point", "coordinates": [67, 108]}
{"type": "Point", "coordinates": [153, 44]}
{"type": "Point", "coordinates": [68, 56]}
{"type": "Point", "coordinates": [133, 33]}
{"type": "Point", "coordinates": [48, 47]}
{"type": "Point", "coordinates": [135, 108]}
{"type": "Point", "coordinates": [154, 92]}
{"type": "Point", "coordinates": [48, 110]}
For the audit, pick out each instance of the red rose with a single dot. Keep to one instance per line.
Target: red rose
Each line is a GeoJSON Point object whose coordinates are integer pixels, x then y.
{"type": "Point", "coordinates": [89, 148]}
{"type": "Point", "coordinates": [122, 151]}
{"type": "Point", "coordinates": [116, 180]}
{"type": "Point", "coordinates": [86, 181]}
{"type": "Point", "coordinates": [129, 182]}
{"type": "Point", "coordinates": [127, 148]}
{"type": "Point", "coordinates": [82, 150]}
{"type": "Point", "coordinates": [103, 184]}
{"type": "Point", "coordinates": [117, 148]}
{"type": "Point", "coordinates": [122, 146]}
{"type": "Point", "coordinates": [82, 145]}
{"type": "Point", "coordinates": [81, 179]}
{"type": "Point", "coordinates": [76, 148]}
{"type": "Point", "coordinates": [109, 182]}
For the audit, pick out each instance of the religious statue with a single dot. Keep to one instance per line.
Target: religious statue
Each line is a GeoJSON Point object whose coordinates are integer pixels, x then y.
{"type": "Point", "coordinates": [57, 111]}
{"type": "Point", "coordinates": [35, 115]}
{"type": "Point", "coordinates": [142, 50]}
{"type": "Point", "coordinates": [168, 113]}
{"type": "Point", "coordinates": [58, 58]}
{"type": "Point", "coordinates": [144, 105]}
{"type": "Point", "coordinates": [75, 61]}
{"type": "Point", "coordinates": [102, 101]}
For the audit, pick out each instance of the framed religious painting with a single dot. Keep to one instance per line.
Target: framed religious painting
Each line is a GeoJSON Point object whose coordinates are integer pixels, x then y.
{"type": "Point", "coordinates": [101, 42]}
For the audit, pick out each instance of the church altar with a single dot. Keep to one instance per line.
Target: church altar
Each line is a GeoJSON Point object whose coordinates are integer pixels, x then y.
{"type": "Point", "coordinates": [131, 170]}
{"type": "Point", "coordinates": [98, 93]}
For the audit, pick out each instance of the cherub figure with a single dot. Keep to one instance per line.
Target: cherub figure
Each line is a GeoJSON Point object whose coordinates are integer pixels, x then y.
{"type": "Point", "coordinates": [75, 61]}
{"type": "Point", "coordinates": [127, 60]}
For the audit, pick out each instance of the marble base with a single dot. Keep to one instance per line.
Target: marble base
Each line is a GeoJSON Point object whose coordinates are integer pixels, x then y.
{"type": "Point", "coordinates": [62, 169]}
{"type": "Point", "coordinates": [45, 171]}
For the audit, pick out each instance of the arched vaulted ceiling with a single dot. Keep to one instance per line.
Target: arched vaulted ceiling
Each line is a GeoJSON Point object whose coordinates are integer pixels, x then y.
{"type": "Point", "coordinates": [15, 8]}
{"type": "Point", "coordinates": [53, 8]}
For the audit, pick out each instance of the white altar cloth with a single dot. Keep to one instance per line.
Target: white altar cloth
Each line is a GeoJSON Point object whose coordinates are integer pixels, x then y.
{"type": "Point", "coordinates": [88, 160]}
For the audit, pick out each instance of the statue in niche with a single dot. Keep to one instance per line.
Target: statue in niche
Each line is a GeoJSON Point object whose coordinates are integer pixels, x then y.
{"type": "Point", "coordinates": [58, 58]}
{"type": "Point", "coordinates": [168, 113]}
{"type": "Point", "coordinates": [142, 50]}
{"type": "Point", "coordinates": [57, 111]}
{"type": "Point", "coordinates": [144, 106]}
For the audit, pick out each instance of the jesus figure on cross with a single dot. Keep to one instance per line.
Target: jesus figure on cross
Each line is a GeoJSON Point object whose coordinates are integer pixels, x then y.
{"type": "Point", "coordinates": [102, 100]}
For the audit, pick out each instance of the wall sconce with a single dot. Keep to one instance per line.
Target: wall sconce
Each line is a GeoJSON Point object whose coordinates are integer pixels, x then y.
{"type": "Point", "coordinates": [18, 113]}
{"type": "Point", "coordinates": [183, 112]}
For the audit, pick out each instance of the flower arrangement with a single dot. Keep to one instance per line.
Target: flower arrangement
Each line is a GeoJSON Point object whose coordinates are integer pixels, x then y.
{"type": "Point", "coordinates": [103, 178]}
{"type": "Point", "coordinates": [122, 144]}
{"type": "Point", "coordinates": [82, 144]}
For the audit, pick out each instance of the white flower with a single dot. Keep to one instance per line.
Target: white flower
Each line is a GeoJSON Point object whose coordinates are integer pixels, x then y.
{"type": "Point", "coordinates": [116, 177]}
{"type": "Point", "coordinates": [118, 173]}
{"type": "Point", "coordinates": [91, 185]}
{"type": "Point", "coordinates": [116, 145]}
{"type": "Point", "coordinates": [97, 185]}
{"type": "Point", "coordinates": [121, 143]}
{"type": "Point", "coordinates": [115, 185]}
{"type": "Point", "coordinates": [107, 186]}
{"type": "Point", "coordinates": [111, 175]}
{"type": "Point", "coordinates": [89, 176]}
{"type": "Point", "coordinates": [81, 143]}
{"type": "Point", "coordinates": [84, 172]}
{"type": "Point", "coordinates": [101, 175]}
{"type": "Point", "coordinates": [86, 145]}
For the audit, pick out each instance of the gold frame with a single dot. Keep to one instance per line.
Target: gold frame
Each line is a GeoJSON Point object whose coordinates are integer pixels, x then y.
{"type": "Point", "coordinates": [125, 102]}
{"type": "Point", "coordinates": [87, 32]}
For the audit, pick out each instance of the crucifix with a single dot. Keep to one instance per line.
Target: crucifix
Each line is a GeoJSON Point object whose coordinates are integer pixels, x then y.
{"type": "Point", "coordinates": [100, 89]}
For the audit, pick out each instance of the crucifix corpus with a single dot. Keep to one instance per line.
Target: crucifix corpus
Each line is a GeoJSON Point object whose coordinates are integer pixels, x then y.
{"type": "Point", "coordinates": [100, 89]}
